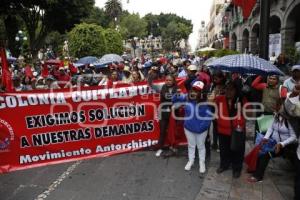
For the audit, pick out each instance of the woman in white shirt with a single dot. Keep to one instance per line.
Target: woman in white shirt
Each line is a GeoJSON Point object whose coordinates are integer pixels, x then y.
{"type": "Point", "coordinates": [284, 134]}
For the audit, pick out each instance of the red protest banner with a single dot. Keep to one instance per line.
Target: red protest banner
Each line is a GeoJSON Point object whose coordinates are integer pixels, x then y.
{"type": "Point", "coordinates": [42, 127]}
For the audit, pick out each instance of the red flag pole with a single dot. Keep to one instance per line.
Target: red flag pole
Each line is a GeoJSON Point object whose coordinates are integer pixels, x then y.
{"type": "Point", "coordinates": [6, 74]}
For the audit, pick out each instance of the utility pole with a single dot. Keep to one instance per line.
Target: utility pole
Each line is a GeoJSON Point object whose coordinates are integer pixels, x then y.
{"type": "Point", "coordinates": [264, 29]}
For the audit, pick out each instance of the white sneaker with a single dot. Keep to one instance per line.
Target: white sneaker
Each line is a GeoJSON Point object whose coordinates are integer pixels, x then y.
{"type": "Point", "coordinates": [202, 168]}
{"type": "Point", "coordinates": [188, 165]}
{"type": "Point", "coordinates": [158, 152]}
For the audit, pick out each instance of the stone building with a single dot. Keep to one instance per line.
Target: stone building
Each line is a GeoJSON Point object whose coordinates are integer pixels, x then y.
{"type": "Point", "coordinates": [217, 27]}
{"type": "Point", "coordinates": [284, 21]}
{"type": "Point", "coordinates": [202, 36]}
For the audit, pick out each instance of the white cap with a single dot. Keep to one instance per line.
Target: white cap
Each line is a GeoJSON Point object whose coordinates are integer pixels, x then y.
{"type": "Point", "coordinates": [126, 68]}
{"type": "Point", "coordinates": [296, 67]}
{"type": "Point", "coordinates": [192, 68]}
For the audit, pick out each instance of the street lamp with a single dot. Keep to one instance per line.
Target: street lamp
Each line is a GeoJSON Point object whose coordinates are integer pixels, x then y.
{"type": "Point", "coordinates": [264, 28]}
{"type": "Point", "coordinates": [21, 37]}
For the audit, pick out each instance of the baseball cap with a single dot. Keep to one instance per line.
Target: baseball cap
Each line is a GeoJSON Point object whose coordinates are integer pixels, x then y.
{"type": "Point", "coordinates": [198, 85]}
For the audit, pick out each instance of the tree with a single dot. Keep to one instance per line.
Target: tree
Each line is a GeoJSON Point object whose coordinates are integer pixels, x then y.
{"type": "Point", "coordinates": [114, 42]}
{"type": "Point", "coordinates": [133, 26]}
{"type": "Point", "coordinates": [97, 16]}
{"type": "Point", "coordinates": [56, 41]}
{"type": "Point", "coordinates": [87, 40]}
{"type": "Point", "coordinates": [157, 22]}
{"type": "Point", "coordinates": [113, 9]}
{"type": "Point", "coordinates": [174, 33]}
{"type": "Point", "coordinates": [153, 27]}
{"type": "Point", "coordinates": [42, 17]}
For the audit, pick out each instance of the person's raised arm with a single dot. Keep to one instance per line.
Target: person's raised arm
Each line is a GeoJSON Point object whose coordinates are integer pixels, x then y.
{"type": "Point", "coordinates": [257, 84]}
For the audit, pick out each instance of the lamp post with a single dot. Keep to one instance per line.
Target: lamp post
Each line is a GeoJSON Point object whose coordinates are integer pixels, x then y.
{"type": "Point", "coordinates": [21, 37]}
{"type": "Point", "coordinates": [150, 37]}
{"type": "Point", "coordinates": [134, 45]}
{"type": "Point", "coordinates": [264, 29]}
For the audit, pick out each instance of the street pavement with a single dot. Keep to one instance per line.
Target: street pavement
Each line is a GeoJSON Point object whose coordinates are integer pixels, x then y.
{"type": "Point", "coordinates": [142, 176]}
{"type": "Point", "coordinates": [277, 183]}
{"type": "Point", "coordinates": [132, 176]}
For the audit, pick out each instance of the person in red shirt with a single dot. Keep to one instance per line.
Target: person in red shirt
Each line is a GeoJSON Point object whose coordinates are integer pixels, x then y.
{"type": "Point", "coordinates": [230, 118]}
{"type": "Point", "coordinates": [62, 77]}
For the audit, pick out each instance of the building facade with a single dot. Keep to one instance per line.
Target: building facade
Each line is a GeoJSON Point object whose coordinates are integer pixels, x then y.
{"type": "Point", "coordinates": [148, 44]}
{"type": "Point", "coordinates": [217, 35]}
{"type": "Point", "coordinates": [284, 26]}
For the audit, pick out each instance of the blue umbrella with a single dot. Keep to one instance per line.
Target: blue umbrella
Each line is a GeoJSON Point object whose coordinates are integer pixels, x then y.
{"type": "Point", "coordinates": [87, 60]}
{"type": "Point", "coordinates": [108, 59]}
{"type": "Point", "coordinates": [148, 64]}
{"type": "Point", "coordinates": [78, 64]}
{"type": "Point", "coordinates": [245, 64]}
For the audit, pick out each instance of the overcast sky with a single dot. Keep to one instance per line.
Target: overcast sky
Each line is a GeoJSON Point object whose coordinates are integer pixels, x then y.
{"type": "Point", "coordinates": [195, 10]}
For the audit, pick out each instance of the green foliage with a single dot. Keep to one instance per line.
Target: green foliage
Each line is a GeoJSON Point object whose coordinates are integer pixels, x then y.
{"type": "Point", "coordinates": [174, 33]}
{"type": "Point", "coordinates": [87, 40]}
{"type": "Point", "coordinates": [114, 42]}
{"type": "Point", "coordinates": [97, 16]}
{"type": "Point", "coordinates": [133, 26]}
{"type": "Point", "coordinates": [218, 53]}
{"type": "Point", "coordinates": [156, 23]}
{"type": "Point", "coordinates": [42, 17]}
{"type": "Point", "coordinates": [293, 55]}
{"type": "Point", "coordinates": [56, 40]}
{"type": "Point", "coordinates": [153, 25]}
{"type": "Point", "coordinates": [225, 52]}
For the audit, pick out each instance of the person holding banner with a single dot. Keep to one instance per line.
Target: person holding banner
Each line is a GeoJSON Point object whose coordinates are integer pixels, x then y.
{"type": "Point", "coordinates": [198, 118]}
{"type": "Point", "coordinates": [166, 93]}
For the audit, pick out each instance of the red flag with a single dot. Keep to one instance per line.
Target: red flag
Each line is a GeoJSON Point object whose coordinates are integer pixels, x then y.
{"type": "Point", "coordinates": [251, 158]}
{"type": "Point", "coordinates": [28, 71]}
{"type": "Point", "coordinates": [180, 84]}
{"type": "Point", "coordinates": [45, 70]}
{"type": "Point", "coordinates": [6, 74]}
{"type": "Point", "coordinates": [246, 5]}
{"type": "Point", "coordinates": [238, 2]}
{"type": "Point", "coordinates": [175, 134]}
{"type": "Point", "coordinates": [72, 68]}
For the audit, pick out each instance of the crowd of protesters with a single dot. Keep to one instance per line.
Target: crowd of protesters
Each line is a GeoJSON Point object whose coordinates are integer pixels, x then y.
{"type": "Point", "coordinates": [228, 91]}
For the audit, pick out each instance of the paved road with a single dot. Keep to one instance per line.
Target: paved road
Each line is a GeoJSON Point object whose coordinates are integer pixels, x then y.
{"type": "Point", "coordinates": [132, 176]}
